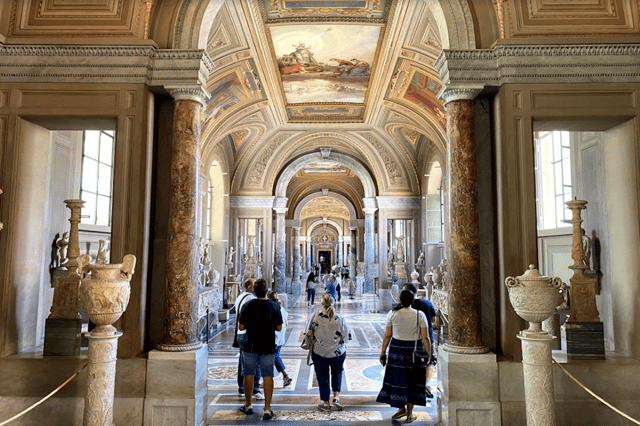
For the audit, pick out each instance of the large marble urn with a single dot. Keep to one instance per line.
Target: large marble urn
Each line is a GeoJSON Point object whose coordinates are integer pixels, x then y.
{"type": "Point", "coordinates": [105, 288]}
{"type": "Point", "coordinates": [535, 297]}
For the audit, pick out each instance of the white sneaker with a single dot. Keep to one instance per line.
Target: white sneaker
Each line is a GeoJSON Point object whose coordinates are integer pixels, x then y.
{"type": "Point", "coordinates": [258, 396]}
{"type": "Point", "coordinates": [338, 404]}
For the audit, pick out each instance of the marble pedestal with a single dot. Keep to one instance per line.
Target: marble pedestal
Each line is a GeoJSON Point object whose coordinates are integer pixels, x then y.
{"type": "Point", "coordinates": [470, 392]}
{"type": "Point", "coordinates": [284, 298]}
{"type": "Point", "coordinates": [62, 336]}
{"type": "Point", "coordinates": [585, 340]}
{"type": "Point", "coordinates": [369, 302]}
{"type": "Point", "coordinates": [176, 388]}
{"type": "Point", "coordinates": [385, 302]}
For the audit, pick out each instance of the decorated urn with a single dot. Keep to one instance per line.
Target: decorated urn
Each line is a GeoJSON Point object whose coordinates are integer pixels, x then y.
{"type": "Point", "coordinates": [105, 289]}
{"type": "Point", "coordinates": [535, 297]}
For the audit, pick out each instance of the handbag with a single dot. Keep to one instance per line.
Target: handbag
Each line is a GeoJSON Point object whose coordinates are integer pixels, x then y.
{"type": "Point", "coordinates": [307, 341]}
{"type": "Point", "coordinates": [419, 358]}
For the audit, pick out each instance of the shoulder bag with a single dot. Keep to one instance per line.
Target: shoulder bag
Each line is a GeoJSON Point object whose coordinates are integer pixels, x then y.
{"type": "Point", "coordinates": [419, 358]}
{"type": "Point", "coordinates": [308, 339]}
{"type": "Point", "coordinates": [235, 343]}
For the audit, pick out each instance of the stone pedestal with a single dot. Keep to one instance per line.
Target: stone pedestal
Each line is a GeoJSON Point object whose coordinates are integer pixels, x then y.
{"type": "Point", "coordinates": [537, 369]}
{"type": "Point", "coordinates": [103, 348]}
{"type": "Point", "coordinates": [233, 289]}
{"type": "Point", "coordinates": [250, 269]}
{"type": "Point", "coordinates": [585, 340]}
{"type": "Point", "coordinates": [385, 302]}
{"type": "Point", "coordinates": [176, 388]}
{"type": "Point", "coordinates": [369, 302]}
{"type": "Point", "coordinates": [62, 336]}
{"type": "Point", "coordinates": [470, 392]}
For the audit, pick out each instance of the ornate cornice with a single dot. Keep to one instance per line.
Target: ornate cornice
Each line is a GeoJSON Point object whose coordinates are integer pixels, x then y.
{"type": "Point", "coordinates": [251, 202]}
{"type": "Point", "coordinates": [104, 64]}
{"type": "Point", "coordinates": [586, 63]}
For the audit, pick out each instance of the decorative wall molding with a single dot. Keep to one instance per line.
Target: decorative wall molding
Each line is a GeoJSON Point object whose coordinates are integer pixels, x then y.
{"type": "Point", "coordinates": [589, 63]}
{"type": "Point", "coordinates": [238, 202]}
{"type": "Point", "coordinates": [411, 203]}
{"type": "Point", "coordinates": [119, 65]}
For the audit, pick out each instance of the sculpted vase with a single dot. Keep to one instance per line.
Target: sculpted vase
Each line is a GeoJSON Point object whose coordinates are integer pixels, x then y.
{"type": "Point", "coordinates": [535, 297]}
{"type": "Point", "coordinates": [105, 288]}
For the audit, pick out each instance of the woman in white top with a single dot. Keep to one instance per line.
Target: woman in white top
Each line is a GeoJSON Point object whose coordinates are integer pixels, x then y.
{"type": "Point", "coordinates": [280, 339]}
{"type": "Point", "coordinates": [404, 384]}
{"type": "Point", "coordinates": [330, 336]}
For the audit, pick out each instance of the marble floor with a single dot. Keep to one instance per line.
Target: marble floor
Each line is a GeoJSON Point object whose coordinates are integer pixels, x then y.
{"type": "Point", "coordinates": [296, 404]}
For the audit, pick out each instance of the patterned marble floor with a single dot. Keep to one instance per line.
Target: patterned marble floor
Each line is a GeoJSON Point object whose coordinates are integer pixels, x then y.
{"type": "Point", "coordinates": [296, 404]}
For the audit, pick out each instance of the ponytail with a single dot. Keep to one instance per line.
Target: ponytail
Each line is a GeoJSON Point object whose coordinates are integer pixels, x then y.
{"type": "Point", "coordinates": [327, 303]}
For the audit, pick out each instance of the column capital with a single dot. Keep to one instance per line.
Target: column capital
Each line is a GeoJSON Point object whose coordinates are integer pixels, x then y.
{"type": "Point", "coordinates": [280, 210]}
{"type": "Point", "coordinates": [369, 210]}
{"type": "Point", "coordinates": [191, 93]}
{"type": "Point", "coordinates": [469, 93]}
{"type": "Point", "coordinates": [353, 228]}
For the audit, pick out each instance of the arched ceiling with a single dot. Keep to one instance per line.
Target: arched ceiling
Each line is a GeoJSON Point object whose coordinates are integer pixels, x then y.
{"type": "Point", "coordinates": [355, 77]}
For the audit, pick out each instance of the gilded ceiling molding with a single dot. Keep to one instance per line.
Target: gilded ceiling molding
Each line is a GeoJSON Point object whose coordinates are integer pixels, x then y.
{"type": "Point", "coordinates": [330, 139]}
{"type": "Point", "coordinates": [402, 114]}
{"type": "Point", "coordinates": [188, 23]}
{"type": "Point", "coordinates": [292, 168]}
{"type": "Point", "coordinates": [300, 205]}
{"type": "Point", "coordinates": [540, 64]}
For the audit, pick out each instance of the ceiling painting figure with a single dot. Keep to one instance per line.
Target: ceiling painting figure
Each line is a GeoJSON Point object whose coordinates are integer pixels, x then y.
{"type": "Point", "coordinates": [325, 63]}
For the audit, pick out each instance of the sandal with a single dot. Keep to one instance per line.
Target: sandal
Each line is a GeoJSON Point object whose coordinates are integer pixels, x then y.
{"type": "Point", "coordinates": [411, 418]}
{"type": "Point", "coordinates": [246, 410]}
{"type": "Point", "coordinates": [400, 413]}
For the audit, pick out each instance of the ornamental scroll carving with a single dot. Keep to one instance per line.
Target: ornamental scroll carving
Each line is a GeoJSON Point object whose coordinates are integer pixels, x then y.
{"type": "Point", "coordinates": [255, 176]}
{"type": "Point", "coordinates": [393, 170]}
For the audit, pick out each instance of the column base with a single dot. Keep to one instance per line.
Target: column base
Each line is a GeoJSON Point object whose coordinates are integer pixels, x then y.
{"type": "Point", "coordinates": [62, 336]}
{"type": "Point", "coordinates": [386, 300]}
{"type": "Point", "coordinates": [176, 388]}
{"type": "Point", "coordinates": [296, 287]}
{"type": "Point", "coordinates": [465, 401]}
{"type": "Point", "coordinates": [585, 340]}
{"type": "Point", "coordinates": [370, 303]}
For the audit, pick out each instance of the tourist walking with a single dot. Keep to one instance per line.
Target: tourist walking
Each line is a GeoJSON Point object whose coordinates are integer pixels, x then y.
{"type": "Point", "coordinates": [404, 383]}
{"type": "Point", "coordinates": [429, 310]}
{"type": "Point", "coordinates": [329, 333]}
{"type": "Point", "coordinates": [331, 287]}
{"type": "Point", "coordinates": [311, 289]}
{"type": "Point", "coordinates": [261, 318]}
{"type": "Point", "coordinates": [280, 339]}
{"type": "Point", "coordinates": [241, 335]}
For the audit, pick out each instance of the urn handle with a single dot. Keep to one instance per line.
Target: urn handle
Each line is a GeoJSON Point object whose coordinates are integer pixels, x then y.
{"type": "Point", "coordinates": [128, 265]}
{"type": "Point", "coordinates": [511, 282]}
{"type": "Point", "coordinates": [83, 265]}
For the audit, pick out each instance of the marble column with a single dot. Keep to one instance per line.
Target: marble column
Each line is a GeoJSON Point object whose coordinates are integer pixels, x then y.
{"type": "Point", "coordinates": [369, 255]}
{"type": "Point", "coordinates": [181, 296]}
{"type": "Point", "coordinates": [308, 249]}
{"type": "Point", "coordinates": [462, 236]}
{"type": "Point", "coordinates": [295, 279]}
{"type": "Point", "coordinates": [340, 257]}
{"type": "Point", "coordinates": [353, 260]}
{"type": "Point", "coordinates": [279, 264]}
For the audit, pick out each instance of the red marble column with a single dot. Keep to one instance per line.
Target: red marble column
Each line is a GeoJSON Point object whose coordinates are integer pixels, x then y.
{"type": "Point", "coordinates": [462, 236]}
{"type": "Point", "coordinates": [181, 297]}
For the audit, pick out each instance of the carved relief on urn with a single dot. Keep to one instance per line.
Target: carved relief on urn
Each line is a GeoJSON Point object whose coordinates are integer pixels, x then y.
{"type": "Point", "coordinates": [105, 288]}
{"type": "Point", "coordinates": [535, 297]}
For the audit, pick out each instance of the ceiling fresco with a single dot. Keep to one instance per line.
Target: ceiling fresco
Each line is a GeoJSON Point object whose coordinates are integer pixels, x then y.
{"type": "Point", "coordinates": [325, 63]}
{"type": "Point", "coordinates": [278, 9]}
{"type": "Point", "coordinates": [325, 207]}
{"type": "Point", "coordinates": [423, 90]}
{"type": "Point", "coordinates": [325, 167]}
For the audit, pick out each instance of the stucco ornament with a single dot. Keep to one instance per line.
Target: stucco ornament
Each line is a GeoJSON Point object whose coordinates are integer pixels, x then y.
{"type": "Point", "coordinates": [105, 288]}
{"type": "Point", "coordinates": [535, 297]}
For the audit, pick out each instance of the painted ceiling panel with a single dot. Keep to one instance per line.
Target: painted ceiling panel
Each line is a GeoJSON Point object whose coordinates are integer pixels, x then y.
{"type": "Point", "coordinates": [277, 9]}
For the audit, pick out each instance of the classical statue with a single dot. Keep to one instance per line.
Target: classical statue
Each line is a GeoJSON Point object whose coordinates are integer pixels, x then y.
{"type": "Point", "coordinates": [586, 249]}
{"type": "Point", "coordinates": [420, 260]}
{"type": "Point", "coordinates": [103, 252]}
{"type": "Point", "coordinates": [205, 255]}
{"type": "Point", "coordinates": [230, 255]}
{"type": "Point", "coordinates": [63, 245]}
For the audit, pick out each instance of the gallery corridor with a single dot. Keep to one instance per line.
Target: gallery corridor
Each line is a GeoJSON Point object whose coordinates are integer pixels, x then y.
{"type": "Point", "coordinates": [296, 404]}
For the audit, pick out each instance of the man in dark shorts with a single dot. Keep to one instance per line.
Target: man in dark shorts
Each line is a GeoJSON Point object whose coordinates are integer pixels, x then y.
{"type": "Point", "coordinates": [261, 318]}
{"type": "Point", "coordinates": [430, 311]}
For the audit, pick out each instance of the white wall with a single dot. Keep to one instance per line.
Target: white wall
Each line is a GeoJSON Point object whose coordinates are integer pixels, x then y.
{"type": "Point", "coordinates": [621, 167]}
